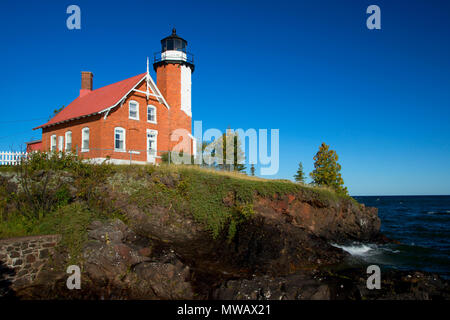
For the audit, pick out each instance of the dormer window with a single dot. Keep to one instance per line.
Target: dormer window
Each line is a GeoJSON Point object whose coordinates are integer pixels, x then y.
{"type": "Point", "coordinates": [133, 110]}
{"type": "Point", "coordinates": [151, 114]}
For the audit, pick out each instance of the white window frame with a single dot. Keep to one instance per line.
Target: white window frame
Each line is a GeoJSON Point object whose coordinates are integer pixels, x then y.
{"type": "Point", "coordinates": [53, 142]}
{"type": "Point", "coordinates": [60, 143]}
{"type": "Point", "coordinates": [83, 133]}
{"type": "Point", "coordinates": [137, 110]}
{"type": "Point", "coordinates": [154, 112]}
{"type": "Point", "coordinates": [124, 140]}
{"type": "Point", "coordinates": [67, 139]}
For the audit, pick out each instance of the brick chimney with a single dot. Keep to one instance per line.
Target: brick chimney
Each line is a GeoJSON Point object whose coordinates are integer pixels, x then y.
{"type": "Point", "coordinates": [86, 82]}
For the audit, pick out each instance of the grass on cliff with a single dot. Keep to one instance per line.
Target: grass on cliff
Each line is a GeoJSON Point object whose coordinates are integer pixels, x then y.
{"type": "Point", "coordinates": [216, 199]}
{"type": "Point", "coordinates": [61, 194]}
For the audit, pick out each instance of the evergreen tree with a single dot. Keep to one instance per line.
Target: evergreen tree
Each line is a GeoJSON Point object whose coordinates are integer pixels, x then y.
{"type": "Point", "coordinates": [237, 153]}
{"type": "Point", "coordinates": [252, 170]}
{"type": "Point", "coordinates": [232, 156]}
{"type": "Point", "coordinates": [327, 170]}
{"type": "Point", "coordinates": [300, 175]}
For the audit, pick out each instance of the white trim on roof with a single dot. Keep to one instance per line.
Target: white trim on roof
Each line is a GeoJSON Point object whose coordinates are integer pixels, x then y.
{"type": "Point", "coordinates": [120, 100]}
{"type": "Point", "coordinates": [155, 89]}
{"type": "Point", "coordinates": [150, 84]}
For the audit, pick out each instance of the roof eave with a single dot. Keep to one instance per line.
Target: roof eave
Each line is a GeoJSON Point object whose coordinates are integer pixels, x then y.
{"type": "Point", "coordinates": [71, 119]}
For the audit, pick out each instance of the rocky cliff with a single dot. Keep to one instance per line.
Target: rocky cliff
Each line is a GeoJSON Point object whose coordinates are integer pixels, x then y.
{"type": "Point", "coordinates": [188, 233]}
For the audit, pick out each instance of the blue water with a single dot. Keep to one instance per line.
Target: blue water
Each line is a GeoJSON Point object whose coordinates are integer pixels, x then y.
{"type": "Point", "coordinates": [420, 223]}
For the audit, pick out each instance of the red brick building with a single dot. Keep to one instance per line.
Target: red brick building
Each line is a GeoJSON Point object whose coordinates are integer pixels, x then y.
{"type": "Point", "coordinates": [134, 118]}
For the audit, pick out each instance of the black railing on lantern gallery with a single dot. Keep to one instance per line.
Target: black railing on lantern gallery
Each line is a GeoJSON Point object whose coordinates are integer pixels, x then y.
{"type": "Point", "coordinates": [189, 57]}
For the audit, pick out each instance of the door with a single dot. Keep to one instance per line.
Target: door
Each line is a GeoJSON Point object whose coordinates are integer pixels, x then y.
{"type": "Point", "coordinates": [151, 145]}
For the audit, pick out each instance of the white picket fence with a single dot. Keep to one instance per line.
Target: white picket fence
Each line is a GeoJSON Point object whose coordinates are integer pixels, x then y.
{"type": "Point", "coordinates": [11, 158]}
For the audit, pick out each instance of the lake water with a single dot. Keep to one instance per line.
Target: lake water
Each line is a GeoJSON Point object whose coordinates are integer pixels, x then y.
{"type": "Point", "coordinates": [420, 223]}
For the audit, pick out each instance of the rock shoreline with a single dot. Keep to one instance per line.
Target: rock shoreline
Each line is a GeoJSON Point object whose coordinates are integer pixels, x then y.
{"type": "Point", "coordinates": [281, 250]}
{"type": "Point", "coordinates": [120, 263]}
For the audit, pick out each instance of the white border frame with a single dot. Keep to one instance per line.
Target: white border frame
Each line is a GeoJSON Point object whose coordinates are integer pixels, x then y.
{"type": "Point", "coordinates": [60, 143]}
{"type": "Point", "coordinates": [51, 143]}
{"type": "Point", "coordinates": [156, 114]}
{"type": "Point", "coordinates": [137, 111]}
{"type": "Point", "coordinates": [82, 139]}
{"type": "Point", "coordinates": [65, 144]}
{"type": "Point", "coordinates": [124, 140]}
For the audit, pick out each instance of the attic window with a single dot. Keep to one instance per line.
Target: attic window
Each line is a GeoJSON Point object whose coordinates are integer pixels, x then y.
{"type": "Point", "coordinates": [133, 110]}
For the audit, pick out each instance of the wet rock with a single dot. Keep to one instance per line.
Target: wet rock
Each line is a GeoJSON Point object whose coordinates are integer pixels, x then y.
{"type": "Point", "coordinates": [292, 287]}
{"type": "Point", "coordinates": [166, 279]}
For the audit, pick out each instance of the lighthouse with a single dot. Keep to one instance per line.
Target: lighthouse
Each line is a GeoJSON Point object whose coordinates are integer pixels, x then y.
{"type": "Point", "coordinates": [174, 66]}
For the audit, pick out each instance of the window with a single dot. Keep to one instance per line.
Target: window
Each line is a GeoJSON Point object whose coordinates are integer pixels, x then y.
{"type": "Point", "coordinates": [53, 143]}
{"type": "Point", "coordinates": [85, 140]}
{"type": "Point", "coordinates": [68, 141]}
{"type": "Point", "coordinates": [170, 44]}
{"type": "Point", "coordinates": [177, 44]}
{"type": "Point", "coordinates": [60, 143]}
{"type": "Point", "coordinates": [151, 114]}
{"type": "Point", "coordinates": [119, 139]}
{"type": "Point", "coordinates": [133, 110]}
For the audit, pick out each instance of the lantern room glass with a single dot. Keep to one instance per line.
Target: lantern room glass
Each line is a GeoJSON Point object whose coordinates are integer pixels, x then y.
{"type": "Point", "coordinates": [174, 44]}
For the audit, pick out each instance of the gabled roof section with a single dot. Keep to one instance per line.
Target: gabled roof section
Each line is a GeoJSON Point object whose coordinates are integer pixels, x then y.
{"type": "Point", "coordinates": [96, 101]}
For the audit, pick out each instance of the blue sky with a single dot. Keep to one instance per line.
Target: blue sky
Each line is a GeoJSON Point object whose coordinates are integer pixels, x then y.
{"type": "Point", "coordinates": [312, 69]}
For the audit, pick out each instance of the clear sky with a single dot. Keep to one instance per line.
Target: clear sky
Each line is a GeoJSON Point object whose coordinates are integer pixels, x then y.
{"type": "Point", "coordinates": [380, 98]}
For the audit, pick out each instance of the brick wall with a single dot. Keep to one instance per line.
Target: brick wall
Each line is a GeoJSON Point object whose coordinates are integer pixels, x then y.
{"type": "Point", "coordinates": [101, 131]}
{"type": "Point", "coordinates": [22, 258]}
{"type": "Point", "coordinates": [168, 80]}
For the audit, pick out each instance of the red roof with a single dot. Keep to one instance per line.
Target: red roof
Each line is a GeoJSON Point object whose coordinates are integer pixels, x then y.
{"type": "Point", "coordinates": [95, 101]}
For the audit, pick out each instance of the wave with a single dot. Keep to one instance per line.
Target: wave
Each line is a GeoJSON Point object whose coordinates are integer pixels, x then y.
{"type": "Point", "coordinates": [439, 212]}
{"type": "Point", "coordinates": [354, 249]}
{"type": "Point", "coordinates": [361, 249]}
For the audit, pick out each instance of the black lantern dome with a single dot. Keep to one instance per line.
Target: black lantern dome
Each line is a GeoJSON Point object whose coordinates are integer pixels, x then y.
{"type": "Point", "coordinates": [173, 42]}
{"type": "Point", "coordinates": [173, 50]}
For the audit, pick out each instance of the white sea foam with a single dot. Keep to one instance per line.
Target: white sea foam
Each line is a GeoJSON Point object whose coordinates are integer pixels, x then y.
{"type": "Point", "coordinates": [355, 249]}
{"type": "Point", "coordinates": [390, 250]}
